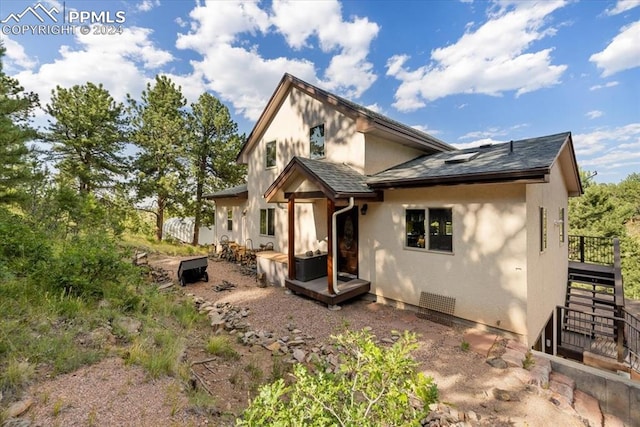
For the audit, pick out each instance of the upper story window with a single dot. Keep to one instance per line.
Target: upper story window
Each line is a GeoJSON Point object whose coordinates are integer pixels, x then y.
{"type": "Point", "coordinates": [271, 154]}
{"type": "Point", "coordinates": [543, 229]}
{"type": "Point", "coordinates": [561, 221]}
{"type": "Point", "coordinates": [316, 140]}
{"type": "Point", "coordinates": [438, 236]}
{"type": "Point", "coordinates": [229, 219]}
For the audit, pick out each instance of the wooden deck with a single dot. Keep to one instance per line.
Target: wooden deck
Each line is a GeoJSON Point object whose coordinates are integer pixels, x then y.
{"type": "Point", "coordinates": [318, 290]}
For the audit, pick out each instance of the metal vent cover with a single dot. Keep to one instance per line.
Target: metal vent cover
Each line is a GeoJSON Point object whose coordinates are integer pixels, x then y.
{"type": "Point", "coordinates": [437, 308]}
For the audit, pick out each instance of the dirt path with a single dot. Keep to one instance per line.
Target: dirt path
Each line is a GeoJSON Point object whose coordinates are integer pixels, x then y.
{"type": "Point", "coordinates": [112, 394]}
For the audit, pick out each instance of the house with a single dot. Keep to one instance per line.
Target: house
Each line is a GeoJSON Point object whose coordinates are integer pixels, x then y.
{"type": "Point", "coordinates": [354, 202]}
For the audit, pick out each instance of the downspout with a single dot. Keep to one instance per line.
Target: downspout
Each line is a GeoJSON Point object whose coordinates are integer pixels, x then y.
{"type": "Point", "coordinates": [334, 249]}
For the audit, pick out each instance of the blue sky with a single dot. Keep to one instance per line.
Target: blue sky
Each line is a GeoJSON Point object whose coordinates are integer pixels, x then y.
{"type": "Point", "coordinates": [467, 72]}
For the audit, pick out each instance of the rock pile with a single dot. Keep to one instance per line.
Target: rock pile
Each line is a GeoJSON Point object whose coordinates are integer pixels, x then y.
{"type": "Point", "coordinates": [441, 415]}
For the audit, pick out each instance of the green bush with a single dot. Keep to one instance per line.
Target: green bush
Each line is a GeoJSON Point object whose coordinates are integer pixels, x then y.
{"type": "Point", "coordinates": [22, 247]}
{"type": "Point", "coordinates": [374, 386]}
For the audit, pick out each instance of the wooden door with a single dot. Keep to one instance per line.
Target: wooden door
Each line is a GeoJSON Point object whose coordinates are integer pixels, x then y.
{"type": "Point", "coordinates": [347, 233]}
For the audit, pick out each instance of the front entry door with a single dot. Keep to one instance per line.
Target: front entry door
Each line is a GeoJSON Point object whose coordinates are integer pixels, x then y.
{"type": "Point", "coordinates": [347, 233]}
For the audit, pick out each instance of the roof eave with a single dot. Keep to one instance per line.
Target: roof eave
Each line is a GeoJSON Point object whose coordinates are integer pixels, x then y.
{"type": "Point", "coordinates": [531, 175]}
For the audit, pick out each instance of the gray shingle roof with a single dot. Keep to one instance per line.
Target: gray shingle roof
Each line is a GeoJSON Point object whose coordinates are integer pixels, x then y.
{"type": "Point", "coordinates": [341, 179]}
{"type": "Point", "coordinates": [529, 156]}
{"type": "Point", "coordinates": [236, 191]}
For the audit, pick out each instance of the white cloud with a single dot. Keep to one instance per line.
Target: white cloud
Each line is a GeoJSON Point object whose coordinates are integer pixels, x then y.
{"type": "Point", "coordinates": [622, 53]}
{"type": "Point", "coordinates": [219, 32]}
{"type": "Point", "coordinates": [606, 85]}
{"type": "Point", "coordinates": [622, 6]}
{"type": "Point", "coordinates": [16, 56]}
{"type": "Point", "coordinates": [607, 141]}
{"type": "Point", "coordinates": [124, 67]}
{"type": "Point", "coordinates": [426, 129]}
{"type": "Point", "coordinates": [484, 135]}
{"type": "Point", "coordinates": [475, 143]}
{"type": "Point", "coordinates": [147, 5]}
{"type": "Point", "coordinates": [594, 114]}
{"type": "Point", "coordinates": [490, 60]}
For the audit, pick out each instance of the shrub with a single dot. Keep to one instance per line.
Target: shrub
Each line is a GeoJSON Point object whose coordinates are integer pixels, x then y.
{"type": "Point", "coordinates": [221, 346]}
{"type": "Point", "coordinates": [374, 386]}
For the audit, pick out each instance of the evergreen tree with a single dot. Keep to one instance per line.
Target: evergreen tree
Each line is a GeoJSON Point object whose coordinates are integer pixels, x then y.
{"type": "Point", "coordinates": [159, 130]}
{"type": "Point", "coordinates": [87, 135]}
{"type": "Point", "coordinates": [16, 107]}
{"type": "Point", "coordinates": [213, 147]}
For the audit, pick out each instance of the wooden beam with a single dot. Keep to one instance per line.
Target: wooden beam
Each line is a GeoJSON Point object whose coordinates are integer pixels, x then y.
{"type": "Point", "coordinates": [305, 195]}
{"type": "Point", "coordinates": [291, 215]}
{"type": "Point", "coordinates": [331, 207]}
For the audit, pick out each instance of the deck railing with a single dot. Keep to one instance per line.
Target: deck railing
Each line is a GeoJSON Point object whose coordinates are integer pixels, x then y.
{"type": "Point", "coordinates": [610, 336]}
{"type": "Point", "coordinates": [593, 250]}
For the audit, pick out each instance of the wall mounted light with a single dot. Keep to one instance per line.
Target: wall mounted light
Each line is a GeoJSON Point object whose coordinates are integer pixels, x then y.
{"type": "Point", "coordinates": [363, 209]}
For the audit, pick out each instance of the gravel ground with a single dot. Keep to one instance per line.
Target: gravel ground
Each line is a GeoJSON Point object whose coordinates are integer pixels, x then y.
{"type": "Point", "coordinates": [111, 394]}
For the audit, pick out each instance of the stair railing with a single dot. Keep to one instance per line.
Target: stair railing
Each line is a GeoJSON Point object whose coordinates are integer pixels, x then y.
{"type": "Point", "coordinates": [594, 250]}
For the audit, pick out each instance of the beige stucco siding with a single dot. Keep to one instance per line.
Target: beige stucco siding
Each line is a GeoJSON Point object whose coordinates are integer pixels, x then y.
{"type": "Point", "coordinates": [290, 128]}
{"type": "Point", "coordinates": [238, 232]}
{"type": "Point", "coordinates": [547, 273]}
{"type": "Point", "coordinates": [381, 154]}
{"type": "Point", "coordinates": [486, 273]}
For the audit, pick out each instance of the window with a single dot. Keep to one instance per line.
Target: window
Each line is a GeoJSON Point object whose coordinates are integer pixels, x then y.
{"type": "Point", "coordinates": [267, 222]}
{"type": "Point", "coordinates": [229, 219]}
{"type": "Point", "coordinates": [440, 231]}
{"type": "Point", "coordinates": [543, 229]}
{"type": "Point", "coordinates": [561, 224]}
{"type": "Point", "coordinates": [415, 228]}
{"type": "Point", "coordinates": [316, 139]}
{"type": "Point", "coordinates": [271, 154]}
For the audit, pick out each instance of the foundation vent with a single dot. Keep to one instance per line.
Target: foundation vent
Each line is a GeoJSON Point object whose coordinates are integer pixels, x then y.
{"type": "Point", "coordinates": [437, 308]}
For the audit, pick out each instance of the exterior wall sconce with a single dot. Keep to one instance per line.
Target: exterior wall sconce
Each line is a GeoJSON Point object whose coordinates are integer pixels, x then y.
{"type": "Point", "coordinates": [363, 209]}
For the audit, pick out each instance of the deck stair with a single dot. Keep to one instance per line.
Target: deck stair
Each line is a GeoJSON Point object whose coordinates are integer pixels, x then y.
{"type": "Point", "coordinates": [593, 319]}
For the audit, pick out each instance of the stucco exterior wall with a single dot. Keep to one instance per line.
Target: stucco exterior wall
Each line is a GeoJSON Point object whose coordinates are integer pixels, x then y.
{"type": "Point", "coordinates": [290, 128]}
{"type": "Point", "coordinates": [547, 273]}
{"type": "Point", "coordinates": [238, 232]}
{"type": "Point", "coordinates": [487, 271]}
{"type": "Point", "coordinates": [381, 155]}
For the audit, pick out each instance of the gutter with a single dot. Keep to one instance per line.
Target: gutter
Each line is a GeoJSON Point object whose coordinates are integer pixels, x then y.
{"type": "Point", "coordinates": [334, 243]}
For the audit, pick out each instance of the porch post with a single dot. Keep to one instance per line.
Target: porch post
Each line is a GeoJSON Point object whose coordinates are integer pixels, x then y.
{"type": "Point", "coordinates": [331, 207]}
{"type": "Point", "coordinates": [291, 214]}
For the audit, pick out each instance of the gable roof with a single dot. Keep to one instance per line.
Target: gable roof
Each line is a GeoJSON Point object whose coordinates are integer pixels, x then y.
{"type": "Point", "coordinates": [367, 121]}
{"type": "Point", "coordinates": [527, 159]}
{"type": "Point", "coordinates": [239, 191]}
{"type": "Point", "coordinates": [333, 180]}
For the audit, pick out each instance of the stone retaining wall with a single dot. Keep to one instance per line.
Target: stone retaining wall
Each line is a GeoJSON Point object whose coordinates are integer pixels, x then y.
{"type": "Point", "coordinates": [617, 395]}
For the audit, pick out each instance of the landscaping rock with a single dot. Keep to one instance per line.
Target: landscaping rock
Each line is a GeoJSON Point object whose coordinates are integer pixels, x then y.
{"type": "Point", "coordinates": [588, 408]}
{"type": "Point", "coordinates": [299, 355]}
{"type": "Point", "coordinates": [513, 358]}
{"type": "Point", "coordinates": [497, 363]}
{"type": "Point", "coordinates": [19, 408]}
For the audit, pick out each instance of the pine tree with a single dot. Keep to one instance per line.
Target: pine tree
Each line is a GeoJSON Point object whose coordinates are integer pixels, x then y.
{"type": "Point", "coordinates": [16, 107]}
{"type": "Point", "coordinates": [159, 130]}
{"type": "Point", "coordinates": [214, 145]}
{"type": "Point", "coordinates": [87, 135]}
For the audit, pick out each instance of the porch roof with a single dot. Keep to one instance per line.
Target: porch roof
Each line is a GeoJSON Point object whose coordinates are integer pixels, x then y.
{"type": "Point", "coordinates": [237, 192]}
{"type": "Point", "coordinates": [328, 180]}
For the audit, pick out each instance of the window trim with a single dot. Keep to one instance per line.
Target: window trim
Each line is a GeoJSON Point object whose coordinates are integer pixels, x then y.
{"type": "Point", "coordinates": [273, 222]}
{"type": "Point", "coordinates": [324, 142]}
{"type": "Point", "coordinates": [275, 154]}
{"type": "Point", "coordinates": [562, 219]}
{"type": "Point", "coordinates": [229, 219]}
{"type": "Point", "coordinates": [543, 229]}
{"type": "Point", "coordinates": [427, 240]}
